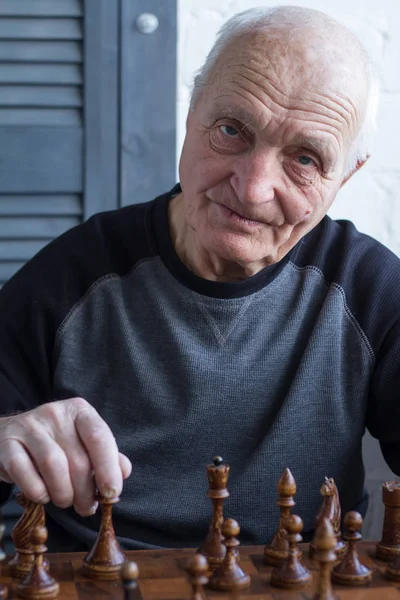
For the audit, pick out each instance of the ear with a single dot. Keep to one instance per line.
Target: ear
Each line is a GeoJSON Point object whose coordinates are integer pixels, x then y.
{"type": "Point", "coordinates": [358, 166]}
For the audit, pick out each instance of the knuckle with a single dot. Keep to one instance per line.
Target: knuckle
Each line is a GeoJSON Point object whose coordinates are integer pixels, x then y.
{"type": "Point", "coordinates": [53, 464]}
{"type": "Point", "coordinates": [79, 404]}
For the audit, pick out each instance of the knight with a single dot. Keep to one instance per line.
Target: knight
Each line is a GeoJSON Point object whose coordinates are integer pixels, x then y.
{"type": "Point", "coordinates": [330, 509]}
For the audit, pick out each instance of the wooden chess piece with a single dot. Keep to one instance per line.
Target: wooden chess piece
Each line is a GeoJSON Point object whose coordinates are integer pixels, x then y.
{"type": "Point", "coordinates": [330, 510]}
{"type": "Point", "coordinates": [197, 570]}
{"type": "Point", "coordinates": [212, 547]}
{"type": "Point", "coordinates": [38, 584]}
{"type": "Point", "coordinates": [106, 558]}
{"type": "Point", "coordinates": [292, 575]}
{"type": "Point", "coordinates": [325, 544]}
{"type": "Point", "coordinates": [350, 571]}
{"type": "Point", "coordinates": [277, 551]}
{"type": "Point", "coordinates": [129, 575]}
{"type": "Point", "coordinates": [389, 546]}
{"type": "Point", "coordinates": [33, 516]}
{"type": "Point", "coordinates": [229, 576]}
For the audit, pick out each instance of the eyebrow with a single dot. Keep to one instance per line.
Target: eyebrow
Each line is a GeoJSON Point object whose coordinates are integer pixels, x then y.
{"type": "Point", "coordinates": [235, 112]}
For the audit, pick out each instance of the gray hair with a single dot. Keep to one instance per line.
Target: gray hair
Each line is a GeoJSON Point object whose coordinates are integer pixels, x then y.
{"type": "Point", "coordinates": [297, 18]}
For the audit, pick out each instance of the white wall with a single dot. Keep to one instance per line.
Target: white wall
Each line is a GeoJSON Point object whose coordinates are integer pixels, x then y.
{"type": "Point", "coordinates": [372, 198]}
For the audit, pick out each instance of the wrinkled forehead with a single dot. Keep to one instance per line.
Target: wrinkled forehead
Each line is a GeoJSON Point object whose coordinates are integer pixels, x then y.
{"type": "Point", "coordinates": [291, 66]}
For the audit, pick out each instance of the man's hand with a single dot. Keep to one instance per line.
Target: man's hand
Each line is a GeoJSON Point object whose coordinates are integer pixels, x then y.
{"type": "Point", "coordinates": [62, 451]}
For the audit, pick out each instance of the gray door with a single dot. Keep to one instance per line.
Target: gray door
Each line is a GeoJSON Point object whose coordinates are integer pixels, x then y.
{"type": "Point", "coordinates": [87, 115]}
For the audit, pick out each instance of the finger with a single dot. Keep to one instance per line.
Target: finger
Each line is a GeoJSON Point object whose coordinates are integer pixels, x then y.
{"type": "Point", "coordinates": [101, 446]}
{"type": "Point", "coordinates": [82, 479]}
{"type": "Point", "coordinates": [17, 467]}
{"type": "Point", "coordinates": [52, 464]}
{"type": "Point", "coordinates": [126, 465]}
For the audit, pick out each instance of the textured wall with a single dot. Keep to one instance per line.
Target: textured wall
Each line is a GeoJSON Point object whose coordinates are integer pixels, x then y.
{"type": "Point", "coordinates": [371, 199]}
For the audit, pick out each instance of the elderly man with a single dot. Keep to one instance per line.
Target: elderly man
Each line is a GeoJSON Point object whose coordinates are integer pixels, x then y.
{"type": "Point", "coordinates": [229, 316]}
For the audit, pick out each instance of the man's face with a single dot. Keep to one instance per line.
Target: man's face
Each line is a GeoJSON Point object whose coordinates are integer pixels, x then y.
{"type": "Point", "coordinates": [265, 149]}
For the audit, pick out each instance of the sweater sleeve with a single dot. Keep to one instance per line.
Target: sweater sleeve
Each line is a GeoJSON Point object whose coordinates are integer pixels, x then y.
{"type": "Point", "coordinates": [383, 416]}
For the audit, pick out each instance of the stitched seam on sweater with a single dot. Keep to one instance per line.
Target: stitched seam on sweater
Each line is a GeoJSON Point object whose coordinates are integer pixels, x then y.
{"type": "Point", "coordinates": [345, 305]}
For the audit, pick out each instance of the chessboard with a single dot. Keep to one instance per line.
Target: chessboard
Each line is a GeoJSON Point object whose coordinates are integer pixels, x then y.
{"type": "Point", "coordinates": [162, 576]}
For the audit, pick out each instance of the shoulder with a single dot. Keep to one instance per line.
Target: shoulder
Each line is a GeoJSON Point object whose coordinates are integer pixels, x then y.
{"type": "Point", "coordinates": [366, 272]}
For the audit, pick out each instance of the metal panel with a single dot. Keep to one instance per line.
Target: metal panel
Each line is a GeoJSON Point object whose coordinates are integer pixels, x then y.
{"type": "Point", "coordinates": [148, 90]}
{"type": "Point", "coordinates": [101, 116]}
{"type": "Point", "coordinates": [46, 74]}
{"type": "Point", "coordinates": [49, 116]}
{"type": "Point", "coordinates": [35, 227]}
{"type": "Point", "coordinates": [40, 95]}
{"type": "Point", "coordinates": [37, 51]}
{"type": "Point", "coordinates": [45, 8]}
{"type": "Point", "coordinates": [43, 205]}
{"type": "Point", "coordinates": [43, 29]}
{"type": "Point", "coordinates": [40, 159]}
{"type": "Point", "coordinates": [20, 249]}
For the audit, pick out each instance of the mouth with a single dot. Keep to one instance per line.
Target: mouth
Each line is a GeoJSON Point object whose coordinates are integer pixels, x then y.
{"type": "Point", "coordinates": [237, 217]}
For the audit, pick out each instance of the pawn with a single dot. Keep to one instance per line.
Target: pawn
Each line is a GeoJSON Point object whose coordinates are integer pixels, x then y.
{"type": "Point", "coordinates": [292, 574]}
{"type": "Point", "coordinates": [197, 570]}
{"type": "Point", "coordinates": [325, 544]}
{"type": "Point", "coordinates": [350, 571]}
{"type": "Point", "coordinates": [106, 558]}
{"type": "Point", "coordinates": [129, 575]}
{"type": "Point", "coordinates": [38, 584]}
{"type": "Point", "coordinates": [229, 576]}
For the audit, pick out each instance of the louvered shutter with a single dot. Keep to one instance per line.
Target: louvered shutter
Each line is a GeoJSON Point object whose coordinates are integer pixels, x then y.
{"type": "Point", "coordinates": [41, 125]}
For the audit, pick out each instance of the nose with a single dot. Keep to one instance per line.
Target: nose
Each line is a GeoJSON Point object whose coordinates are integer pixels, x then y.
{"type": "Point", "coordinates": [259, 178]}
{"type": "Point", "coordinates": [255, 178]}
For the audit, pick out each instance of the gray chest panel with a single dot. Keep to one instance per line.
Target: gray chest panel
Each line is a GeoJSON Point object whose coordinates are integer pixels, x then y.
{"type": "Point", "coordinates": [181, 377]}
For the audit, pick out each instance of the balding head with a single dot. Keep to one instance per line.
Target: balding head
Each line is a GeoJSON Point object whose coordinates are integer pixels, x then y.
{"type": "Point", "coordinates": [309, 43]}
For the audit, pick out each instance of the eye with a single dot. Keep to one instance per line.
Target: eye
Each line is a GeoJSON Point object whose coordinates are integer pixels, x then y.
{"type": "Point", "coordinates": [229, 131]}
{"type": "Point", "coordinates": [306, 160]}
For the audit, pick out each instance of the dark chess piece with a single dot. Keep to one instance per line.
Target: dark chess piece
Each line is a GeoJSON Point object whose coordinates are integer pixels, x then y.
{"type": "Point", "coordinates": [292, 575]}
{"type": "Point", "coordinates": [330, 510]}
{"type": "Point", "coordinates": [38, 584]}
{"type": "Point", "coordinates": [325, 555]}
{"type": "Point", "coordinates": [229, 576]}
{"type": "Point", "coordinates": [389, 547]}
{"type": "Point", "coordinates": [106, 558]}
{"type": "Point", "coordinates": [197, 570]}
{"type": "Point", "coordinates": [277, 551]}
{"type": "Point", "coordinates": [212, 547]}
{"type": "Point", "coordinates": [33, 516]}
{"type": "Point", "coordinates": [350, 571]}
{"type": "Point", "coordinates": [129, 575]}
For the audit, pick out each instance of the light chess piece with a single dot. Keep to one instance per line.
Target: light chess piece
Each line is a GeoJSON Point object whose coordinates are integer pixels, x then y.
{"type": "Point", "coordinates": [351, 571]}
{"type": "Point", "coordinates": [129, 576]}
{"type": "Point", "coordinates": [277, 551]}
{"type": "Point", "coordinates": [38, 584]}
{"type": "Point", "coordinates": [325, 555]}
{"type": "Point", "coordinates": [389, 546]}
{"type": "Point", "coordinates": [212, 547]}
{"type": "Point", "coordinates": [197, 570]}
{"type": "Point", "coordinates": [106, 558]}
{"type": "Point", "coordinates": [229, 576]}
{"type": "Point", "coordinates": [330, 510]}
{"type": "Point", "coordinates": [292, 575]}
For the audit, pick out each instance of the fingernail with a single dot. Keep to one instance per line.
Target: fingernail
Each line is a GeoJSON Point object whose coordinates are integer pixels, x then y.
{"type": "Point", "coordinates": [92, 510]}
{"type": "Point", "coordinates": [109, 491]}
{"type": "Point", "coordinates": [44, 500]}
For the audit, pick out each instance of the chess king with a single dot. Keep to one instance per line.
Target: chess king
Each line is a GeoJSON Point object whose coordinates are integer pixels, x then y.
{"type": "Point", "coordinates": [228, 316]}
